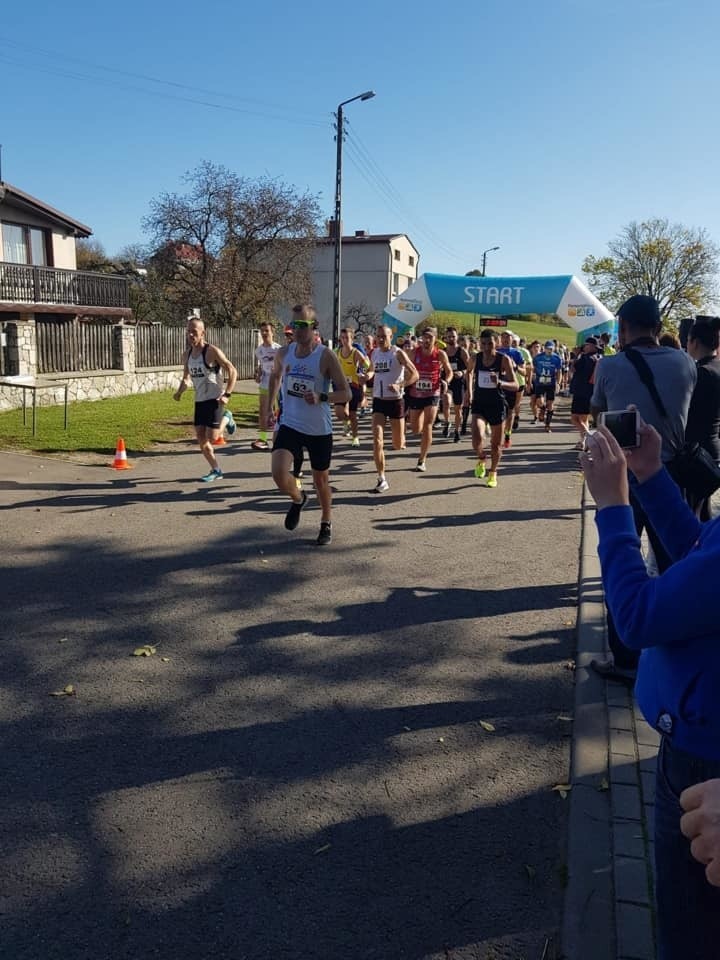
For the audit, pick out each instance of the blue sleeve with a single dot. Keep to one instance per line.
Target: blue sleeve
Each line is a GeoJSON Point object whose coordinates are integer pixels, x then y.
{"type": "Point", "coordinates": [654, 611]}
{"type": "Point", "coordinates": [670, 516]}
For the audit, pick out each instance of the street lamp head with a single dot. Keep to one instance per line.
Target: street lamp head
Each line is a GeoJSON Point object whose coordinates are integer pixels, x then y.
{"type": "Point", "coordinates": [368, 95]}
{"type": "Point", "coordinates": [494, 248]}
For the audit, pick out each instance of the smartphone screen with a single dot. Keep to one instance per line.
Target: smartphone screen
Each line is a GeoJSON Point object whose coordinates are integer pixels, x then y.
{"type": "Point", "coordinates": [623, 425]}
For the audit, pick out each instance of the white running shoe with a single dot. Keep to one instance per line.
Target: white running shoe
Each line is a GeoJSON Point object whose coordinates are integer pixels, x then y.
{"type": "Point", "coordinates": [381, 486]}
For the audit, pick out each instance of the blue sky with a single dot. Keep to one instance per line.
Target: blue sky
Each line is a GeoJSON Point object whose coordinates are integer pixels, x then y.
{"type": "Point", "coordinates": [541, 128]}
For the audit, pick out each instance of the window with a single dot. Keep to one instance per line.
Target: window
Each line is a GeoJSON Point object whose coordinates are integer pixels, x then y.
{"type": "Point", "coordinates": [411, 260]}
{"type": "Point", "coordinates": [24, 244]}
{"type": "Point", "coordinates": [396, 254]}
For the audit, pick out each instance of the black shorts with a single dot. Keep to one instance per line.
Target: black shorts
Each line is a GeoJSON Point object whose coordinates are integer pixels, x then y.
{"type": "Point", "coordinates": [492, 412]}
{"type": "Point", "coordinates": [421, 403]}
{"type": "Point", "coordinates": [209, 413]}
{"type": "Point", "coordinates": [580, 405]}
{"type": "Point", "coordinates": [356, 398]}
{"type": "Point", "coordinates": [457, 390]}
{"type": "Point", "coordinates": [393, 409]}
{"type": "Point", "coordinates": [546, 390]}
{"type": "Point", "coordinates": [319, 448]}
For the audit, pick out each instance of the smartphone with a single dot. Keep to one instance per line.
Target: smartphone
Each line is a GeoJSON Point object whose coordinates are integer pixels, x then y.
{"type": "Point", "coordinates": [624, 425]}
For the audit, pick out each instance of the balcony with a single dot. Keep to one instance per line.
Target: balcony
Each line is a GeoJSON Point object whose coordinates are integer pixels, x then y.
{"type": "Point", "coordinates": [45, 287]}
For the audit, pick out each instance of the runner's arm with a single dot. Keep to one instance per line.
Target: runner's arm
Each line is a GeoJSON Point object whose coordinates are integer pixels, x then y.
{"type": "Point", "coordinates": [470, 378]}
{"type": "Point", "coordinates": [185, 381]}
{"type": "Point", "coordinates": [215, 355]}
{"type": "Point", "coordinates": [276, 377]}
{"type": "Point", "coordinates": [509, 381]}
{"type": "Point", "coordinates": [410, 371]}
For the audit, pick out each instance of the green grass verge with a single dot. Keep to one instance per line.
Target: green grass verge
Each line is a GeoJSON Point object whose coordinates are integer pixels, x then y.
{"type": "Point", "coordinates": [531, 330]}
{"type": "Point", "coordinates": [142, 420]}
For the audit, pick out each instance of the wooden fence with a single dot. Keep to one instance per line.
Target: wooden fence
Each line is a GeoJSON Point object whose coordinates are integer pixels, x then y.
{"type": "Point", "coordinates": [72, 346]}
{"type": "Point", "coordinates": [65, 346]}
{"type": "Point", "coordinates": [162, 346]}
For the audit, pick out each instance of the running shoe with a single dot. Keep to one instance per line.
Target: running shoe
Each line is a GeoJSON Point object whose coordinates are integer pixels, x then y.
{"type": "Point", "coordinates": [507, 442]}
{"type": "Point", "coordinates": [260, 445]}
{"type": "Point", "coordinates": [534, 420]}
{"type": "Point", "coordinates": [446, 429]}
{"type": "Point", "coordinates": [480, 469]}
{"type": "Point", "coordinates": [547, 428]}
{"type": "Point", "coordinates": [325, 535]}
{"type": "Point", "coordinates": [231, 425]}
{"type": "Point", "coordinates": [420, 468]}
{"type": "Point", "coordinates": [292, 517]}
{"type": "Point", "coordinates": [492, 480]}
{"type": "Point", "coordinates": [456, 437]}
{"type": "Point", "coordinates": [381, 486]}
{"type": "Point", "coordinates": [347, 430]}
{"type": "Point", "coordinates": [355, 442]}
{"type": "Point", "coordinates": [213, 475]}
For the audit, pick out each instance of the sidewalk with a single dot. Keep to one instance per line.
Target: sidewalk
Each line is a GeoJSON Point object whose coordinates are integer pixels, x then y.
{"type": "Point", "coordinates": [608, 902]}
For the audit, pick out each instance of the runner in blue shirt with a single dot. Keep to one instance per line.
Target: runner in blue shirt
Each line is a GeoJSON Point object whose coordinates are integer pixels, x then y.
{"type": "Point", "coordinates": [548, 370]}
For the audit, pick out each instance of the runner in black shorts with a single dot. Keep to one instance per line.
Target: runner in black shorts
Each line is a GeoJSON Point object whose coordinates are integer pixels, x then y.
{"type": "Point", "coordinates": [490, 374]}
{"type": "Point", "coordinates": [459, 359]}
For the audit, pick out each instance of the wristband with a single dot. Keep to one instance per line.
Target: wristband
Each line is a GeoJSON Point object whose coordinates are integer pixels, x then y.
{"type": "Point", "coordinates": [323, 397]}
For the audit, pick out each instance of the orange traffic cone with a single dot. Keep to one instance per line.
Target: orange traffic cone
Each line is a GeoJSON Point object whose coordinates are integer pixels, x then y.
{"type": "Point", "coordinates": [121, 461]}
{"type": "Point", "coordinates": [220, 442]}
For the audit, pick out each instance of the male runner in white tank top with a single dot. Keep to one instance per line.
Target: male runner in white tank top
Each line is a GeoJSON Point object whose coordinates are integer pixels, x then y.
{"type": "Point", "coordinates": [306, 370]}
{"type": "Point", "coordinates": [213, 377]}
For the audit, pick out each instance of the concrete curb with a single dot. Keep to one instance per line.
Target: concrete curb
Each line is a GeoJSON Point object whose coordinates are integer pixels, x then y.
{"type": "Point", "coordinates": [608, 913]}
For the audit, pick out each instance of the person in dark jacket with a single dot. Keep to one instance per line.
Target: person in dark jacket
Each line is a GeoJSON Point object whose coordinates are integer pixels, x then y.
{"type": "Point", "coordinates": [703, 424]}
{"type": "Point", "coordinates": [581, 387]}
{"type": "Point", "coordinates": [672, 619]}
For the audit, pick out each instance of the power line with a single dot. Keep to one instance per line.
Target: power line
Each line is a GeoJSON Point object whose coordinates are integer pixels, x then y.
{"type": "Point", "coordinates": [292, 116]}
{"type": "Point", "coordinates": [363, 155]}
{"type": "Point", "coordinates": [393, 200]}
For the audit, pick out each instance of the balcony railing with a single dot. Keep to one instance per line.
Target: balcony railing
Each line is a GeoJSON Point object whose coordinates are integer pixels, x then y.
{"type": "Point", "coordinates": [24, 284]}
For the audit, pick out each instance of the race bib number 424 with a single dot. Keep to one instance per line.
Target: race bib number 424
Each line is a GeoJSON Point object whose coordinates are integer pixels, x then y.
{"type": "Point", "coordinates": [424, 385]}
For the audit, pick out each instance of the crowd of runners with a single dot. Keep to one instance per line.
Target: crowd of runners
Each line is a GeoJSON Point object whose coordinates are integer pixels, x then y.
{"type": "Point", "coordinates": [476, 389]}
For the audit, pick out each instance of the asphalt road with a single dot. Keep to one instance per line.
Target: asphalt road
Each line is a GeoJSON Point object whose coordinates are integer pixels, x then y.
{"type": "Point", "coordinates": [302, 769]}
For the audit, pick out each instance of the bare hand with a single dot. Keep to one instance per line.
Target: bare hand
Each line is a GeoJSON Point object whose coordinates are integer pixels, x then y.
{"type": "Point", "coordinates": [701, 824]}
{"type": "Point", "coordinates": [311, 397]}
{"type": "Point", "coordinates": [605, 468]}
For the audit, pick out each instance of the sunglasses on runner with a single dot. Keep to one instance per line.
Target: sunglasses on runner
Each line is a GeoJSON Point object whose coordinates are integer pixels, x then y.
{"type": "Point", "coordinates": [302, 324]}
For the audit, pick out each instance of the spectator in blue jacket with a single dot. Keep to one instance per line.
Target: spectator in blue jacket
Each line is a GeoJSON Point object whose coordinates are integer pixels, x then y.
{"type": "Point", "coordinates": [673, 620]}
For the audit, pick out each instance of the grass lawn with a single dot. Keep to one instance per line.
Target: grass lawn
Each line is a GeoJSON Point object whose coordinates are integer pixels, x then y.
{"type": "Point", "coordinates": [142, 420]}
{"type": "Point", "coordinates": [523, 328]}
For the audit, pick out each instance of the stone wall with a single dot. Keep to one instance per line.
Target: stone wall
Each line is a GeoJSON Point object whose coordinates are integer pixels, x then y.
{"type": "Point", "coordinates": [97, 385]}
{"type": "Point", "coordinates": [94, 385]}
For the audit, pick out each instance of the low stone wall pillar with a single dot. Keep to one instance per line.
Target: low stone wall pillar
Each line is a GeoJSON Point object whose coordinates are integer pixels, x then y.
{"type": "Point", "coordinates": [22, 346]}
{"type": "Point", "coordinates": [124, 348]}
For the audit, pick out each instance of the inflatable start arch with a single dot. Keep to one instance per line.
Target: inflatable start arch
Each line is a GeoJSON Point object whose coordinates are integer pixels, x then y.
{"type": "Point", "coordinates": [566, 297]}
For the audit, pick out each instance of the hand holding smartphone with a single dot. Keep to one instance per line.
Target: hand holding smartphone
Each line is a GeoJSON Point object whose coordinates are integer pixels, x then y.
{"type": "Point", "coordinates": [624, 425]}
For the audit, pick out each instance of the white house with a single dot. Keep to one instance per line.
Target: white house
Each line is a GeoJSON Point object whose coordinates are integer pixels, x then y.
{"type": "Point", "coordinates": [375, 269]}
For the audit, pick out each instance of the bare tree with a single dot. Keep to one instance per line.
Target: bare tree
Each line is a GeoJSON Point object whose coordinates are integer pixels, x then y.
{"type": "Point", "coordinates": [361, 316]}
{"type": "Point", "coordinates": [234, 247]}
{"type": "Point", "coordinates": [675, 264]}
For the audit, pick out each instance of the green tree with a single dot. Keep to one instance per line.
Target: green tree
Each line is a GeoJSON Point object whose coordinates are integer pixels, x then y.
{"type": "Point", "coordinates": [675, 264]}
{"type": "Point", "coordinates": [236, 248]}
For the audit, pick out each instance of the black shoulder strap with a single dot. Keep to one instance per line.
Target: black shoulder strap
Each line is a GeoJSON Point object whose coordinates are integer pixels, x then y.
{"type": "Point", "coordinates": [646, 376]}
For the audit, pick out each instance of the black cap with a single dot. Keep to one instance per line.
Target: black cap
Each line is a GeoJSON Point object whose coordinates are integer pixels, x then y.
{"type": "Point", "coordinates": [593, 340]}
{"type": "Point", "coordinates": [640, 311]}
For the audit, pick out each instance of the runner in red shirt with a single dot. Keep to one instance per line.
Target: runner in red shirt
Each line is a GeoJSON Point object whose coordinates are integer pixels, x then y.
{"type": "Point", "coordinates": [424, 395]}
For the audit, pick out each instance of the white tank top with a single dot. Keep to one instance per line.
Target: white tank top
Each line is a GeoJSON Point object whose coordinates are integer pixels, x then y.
{"type": "Point", "coordinates": [299, 375]}
{"type": "Point", "coordinates": [209, 382]}
{"type": "Point", "coordinates": [265, 357]}
{"type": "Point", "coordinates": [388, 369]}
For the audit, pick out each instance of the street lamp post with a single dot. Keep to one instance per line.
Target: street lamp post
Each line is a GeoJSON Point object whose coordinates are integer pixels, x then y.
{"type": "Point", "coordinates": [368, 95]}
{"type": "Point", "coordinates": [484, 257]}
